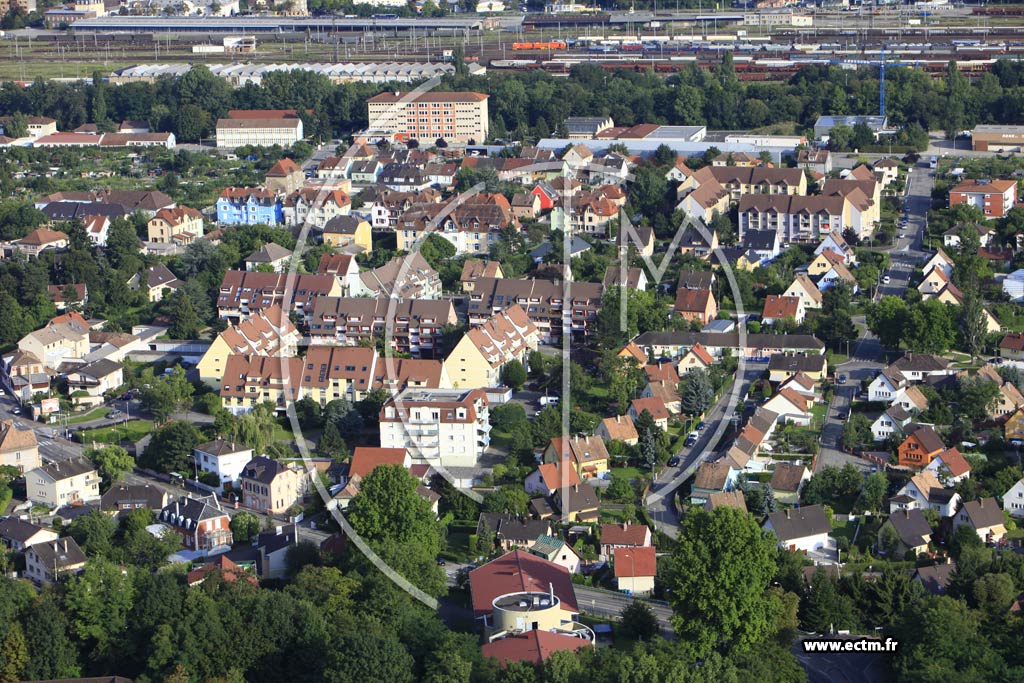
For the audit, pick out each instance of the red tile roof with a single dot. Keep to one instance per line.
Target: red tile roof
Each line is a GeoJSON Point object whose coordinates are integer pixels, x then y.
{"type": "Point", "coordinates": [633, 562]}
{"type": "Point", "coordinates": [519, 571]}
{"type": "Point", "coordinates": [365, 459]}
{"type": "Point", "coordinates": [532, 646]}
{"type": "Point", "coordinates": [624, 534]}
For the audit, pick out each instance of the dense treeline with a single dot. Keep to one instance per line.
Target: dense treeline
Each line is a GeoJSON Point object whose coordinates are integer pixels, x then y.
{"type": "Point", "coordinates": [536, 103]}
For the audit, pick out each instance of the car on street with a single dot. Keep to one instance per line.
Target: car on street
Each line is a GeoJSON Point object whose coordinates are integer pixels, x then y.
{"type": "Point", "coordinates": [842, 379]}
{"type": "Point", "coordinates": [886, 280]}
{"type": "Point", "coordinates": [842, 414]}
{"type": "Point", "coordinates": [701, 426]}
{"type": "Point", "coordinates": [673, 461]}
{"type": "Point", "coordinates": [16, 411]}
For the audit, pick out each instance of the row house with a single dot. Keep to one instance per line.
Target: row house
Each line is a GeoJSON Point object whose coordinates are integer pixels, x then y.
{"type": "Point", "coordinates": [413, 325]}
{"type": "Point", "coordinates": [472, 226]}
{"type": "Point", "coordinates": [388, 205]}
{"type": "Point", "coordinates": [249, 381]}
{"type": "Point", "coordinates": [554, 307]}
{"type": "Point", "coordinates": [244, 293]}
{"type": "Point", "coordinates": [315, 206]}
{"type": "Point", "coordinates": [403, 277]}
{"type": "Point", "coordinates": [349, 372]}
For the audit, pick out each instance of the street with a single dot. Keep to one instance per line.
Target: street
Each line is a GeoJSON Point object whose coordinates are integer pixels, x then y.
{"type": "Point", "coordinates": [608, 604]}
{"type": "Point", "coordinates": [660, 503]}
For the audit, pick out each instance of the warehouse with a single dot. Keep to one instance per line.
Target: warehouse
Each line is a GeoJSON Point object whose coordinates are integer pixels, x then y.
{"type": "Point", "coordinates": [998, 138]}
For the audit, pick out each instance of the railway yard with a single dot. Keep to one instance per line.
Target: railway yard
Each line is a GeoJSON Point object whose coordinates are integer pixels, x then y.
{"type": "Point", "coordinates": [925, 39]}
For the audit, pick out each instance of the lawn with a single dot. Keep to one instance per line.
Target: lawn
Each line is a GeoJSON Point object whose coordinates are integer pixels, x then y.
{"type": "Point", "coordinates": [627, 473]}
{"type": "Point", "coordinates": [121, 433]}
{"type": "Point", "coordinates": [844, 528]}
{"type": "Point", "coordinates": [94, 414]}
{"type": "Point", "coordinates": [820, 412]}
{"type": "Point", "coordinates": [457, 549]}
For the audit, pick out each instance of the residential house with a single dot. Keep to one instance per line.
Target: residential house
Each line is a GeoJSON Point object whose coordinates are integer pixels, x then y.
{"type": "Point", "coordinates": [655, 406]}
{"type": "Point", "coordinates": [446, 427]}
{"type": "Point", "coordinates": [586, 454]}
{"type": "Point", "coordinates": [635, 569]}
{"type": "Point", "coordinates": [228, 571]}
{"type": "Point", "coordinates": [158, 281]}
{"type": "Point", "coordinates": [886, 385]}
{"type": "Point", "coordinates": [260, 128]}
{"type": "Point", "coordinates": [270, 257]}
{"type": "Point", "coordinates": [249, 206]}
{"type": "Point", "coordinates": [805, 290]}
{"type": "Point", "coordinates": [835, 243]}
{"type": "Point", "coordinates": [804, 529]}
{"type": "Point", "coordinates": [1013, 500]}
{"type": "Point", "coordinates": [950, 467]}
{"type": "Point", "coordinates": [96, 379]}
{"type": "Point", "coordinates": [578, 503]}
{"type": "Point", "coordinates": [919, 447]}
{"type": "Point", "coordinates": [889, 423]}
{"type": "Point", "coordinates": [696, 357]}
{"type": "Point", "coordinates": [788, 481]}
{"type": "Point", "coordinates": [200, 522]}
{"type": "Point", "coordinates": [838, 274]}
{"type": "Point", "coordinates": [712, 477]}
{"type": "Point", "coordinates": [706, 201]}
{"type": "Point", "coordinates": [532, 647]}
{"type": "Point", "coordinates": [667, 391]}
{"type": "Point", "coordinates": [46, 562]}
{"type": "Point", "coordinates": [985, 517]}
{"type": "Point", "coordinates": [925, 492]}
{"type": "Point", "coordinates": [917, 367]}
{"type": "Point", "coordinates": [993, 197]}
{"type": "Point", "coordinates": [936, 578]}
{"type": "Point", "coordinates": [1013, 428]}
{"type": "Point", "coordinates": [556, 550]}
{"type": "Point", "coordinates": [951, 238]}
{"type": "Point", "coordinates": [267, 332]}
{"type": "Point", "coordinates": [271, 550]}
{"type": "Point", "coordinates": [122, 497]}
{"type": "Point", "coordinates": [700, 242]}
{"type": "Point", "coordinates": [348, 233]}
{"type": "Point", "coordinates": [1011, 346]}
{"type": "Point", "coordinates": [63, 482]}
{"type": "Point", "coordinates": [178, 225]}
{"type": "Point", "coordinates": [726, 499]}
{"type": "Point", "coordinates": [940, 260]}
{"type": "Point", "coordinates": [97, 228]}
{"type": "Point", "coordinates": [618, 428]}
{"type": "Point", "coordinates": [548, 307]}
{"type": "Point", "coordinates": [78, 295]}
{"type": "Point", "coordinates": [483, 352]}
{"type": "Point", "coordinates": [18, 447]}
{"type": "Point", "coordinates": [696, 304]}
{"type": "Point", "coordinates": [911, 399]}
{"type": "Point", "coordinates": [780, 308]}
{"type": "Point", "coordinates": [364, 460]}
{"type": "Point", "coordinates": [223, 458]}
{"type": "Point", "coordinates": [819, 161]}
{"type": "Point", "coordinates": [251, 380]}
{"type": "Point", "coordinates": [511, 532]}
{"type": "Point", "coordinates": [269, 486]}
{"type": "Point", "coordinates": [471, 225]}
{"type": "Point", "coordinates": [39, 241]}
{"type": "Point", "coordinates": [550, 477]}
{"type": "Point", "coordinates": [284, 176]}
{"type": "Point", "coordinates": [617, 536]}
{"type": "Point", "coordinates": [913, 531]}
{"type": "Point", "coordinates": [628, 278]}
{"type": "Point", "coordinates": [16, 534]}
{"type": "Point", "coordinates": [790, 406]}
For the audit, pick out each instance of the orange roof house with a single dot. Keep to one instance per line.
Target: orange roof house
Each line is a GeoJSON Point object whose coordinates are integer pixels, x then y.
{"type": "Point", "coordinates": [919, 448]}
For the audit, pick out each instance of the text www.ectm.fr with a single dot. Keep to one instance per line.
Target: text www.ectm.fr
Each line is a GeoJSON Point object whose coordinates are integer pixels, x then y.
{"type": "Point", "coordinates": [851, 645]}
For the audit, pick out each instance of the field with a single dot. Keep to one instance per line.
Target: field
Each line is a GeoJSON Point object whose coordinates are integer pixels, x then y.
{"type": "Point", "coordinates": [94, 414]}
{"type": "Point", "coordinates": [121, 433]}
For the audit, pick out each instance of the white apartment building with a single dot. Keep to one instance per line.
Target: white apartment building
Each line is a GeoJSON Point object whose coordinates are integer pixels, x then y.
{"type": "Point", "coordinates": [62, 483]}
{"type": "Point", "coordinates": [453, 116]}
{"type": "Point", "coordinates": [441, 427]}
{"type": "Point", "coordinates": [225, 459]}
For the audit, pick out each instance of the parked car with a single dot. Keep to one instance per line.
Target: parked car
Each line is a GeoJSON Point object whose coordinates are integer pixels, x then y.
{"type": "Point", "coordinates": [886, 279]}
{"type": "Point", "coordinates": [673, 461]}
{"type": "Point", "coordinates": [842, 379]}
{"type": "Point", "coordinates": [700, 426]}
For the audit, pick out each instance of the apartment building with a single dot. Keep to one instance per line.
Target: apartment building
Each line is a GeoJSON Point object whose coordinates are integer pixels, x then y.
{"type": "Point", "coordinates": [388, 205]}
{"type": "Point", "coordinates": [316, 206]}
{"type": "Point", "coordinates": [441, 427]}
{"type": "Point", "coordinates": [269, 486]}
{"type": "Point", "coordinates": [414, 325]}
{"type": "Point", "coordinates": [268, 332]}
{"type": "Point", "coordinates": [244, 293]}
{"type": "Point", "coordinates": [249, 206]}
{"type": "Point", "coordinates": [57, 343]}
{"type": "Point", "coordinates": [793, 218]}
{"type": "Point", "coordinates": [459, 117]}
{"type": "Point", "coordinates": [994, 197]}
{"type": "Point", "coordinates": [251, 380]}
{"type": "Point", "coordinates": [259, 128]}
{"type": "Point", "coordinates": [554, 307]}
{"type": "Point", "coordinates": [18, 447]}
{"type": "Point", "coordinates": [479, 357]}
{"type": "Point", "coordinates": [349, 372]}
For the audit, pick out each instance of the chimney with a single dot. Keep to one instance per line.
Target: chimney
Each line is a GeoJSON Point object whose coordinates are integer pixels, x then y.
{"type": "Point", "coordinates": [624, 526]}
{"type": "Point", "coordinates": [787, 514]}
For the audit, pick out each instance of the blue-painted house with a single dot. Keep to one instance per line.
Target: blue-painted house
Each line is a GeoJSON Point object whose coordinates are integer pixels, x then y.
{"type": "Point", "coordinates": [248, 206]}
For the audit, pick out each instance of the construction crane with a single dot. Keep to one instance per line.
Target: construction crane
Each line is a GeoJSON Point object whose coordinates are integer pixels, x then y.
{"type": "Point", "coordinates": [881, 63]}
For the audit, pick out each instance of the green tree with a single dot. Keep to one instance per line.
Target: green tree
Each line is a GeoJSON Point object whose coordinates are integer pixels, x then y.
{"type": "Point", "coordinates": [973, 323]}
{"type": "Point", "coordinates": [99, 601]}
{"type": "Point", "coordinates": [513, 375]}
{"type": "Point", "coordinates": [13, 654]}
{"type": "Point", "coordinates": [436, 250]}
{"type": "Point", "coordinates": [244, 526]}
{"type": "Point", "coordinates": [994, 593]}
{"type": "Point", "coordinates": [856, 431]}
{"type": "Point", "coordinates": [509, 498]}
{"type": "Point", "coordinates": [94, 533]}
{"type": "Point", "coordinates": [719, 572]}
{"type": "Point", "coordinates": [331, 444]}
{"type": "Point", "coordinates": [163, 396]}
{"type": "Point", "coordinates": [638, 621]}
{"type": "Point", "coordinates": [392, 517]}
{"type": "Point", "coordinates": [51, 653]}
{"type": "Point", "coordinates": [826, 609]}
{"type": "Point", "coordinates": [185, 322]}
{"type": "Point", "coordinates": [874, 490]}
{"type": "Point", "coordinates": [113, 462]}
{"type": "Point", "coordinates": [696, 392]}
{"type": "Point", "coordinates": [170, 449]}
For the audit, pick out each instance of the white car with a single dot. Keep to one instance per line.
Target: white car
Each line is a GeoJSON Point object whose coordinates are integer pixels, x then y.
{"type": "Point", "coordinates": [886, 279]}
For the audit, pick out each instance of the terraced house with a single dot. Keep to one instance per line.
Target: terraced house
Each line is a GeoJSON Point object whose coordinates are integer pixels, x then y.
{"type": "Point", "coordinates": [544, 302]}
{"type": "Point", "coordinates": [245, 293]}
{"type": "Point", "coordinates": [479, 357]}
{"type": "Point", "coordinates": [472, 226]}
{"type": "Point", "coordinates": [249, 206]}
